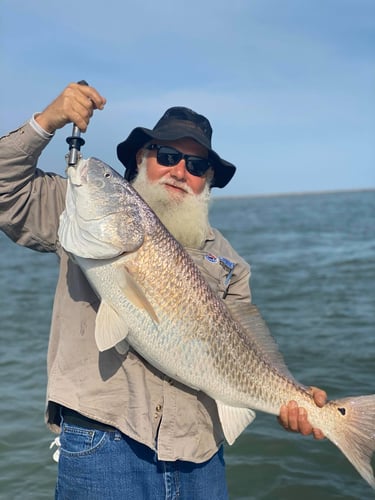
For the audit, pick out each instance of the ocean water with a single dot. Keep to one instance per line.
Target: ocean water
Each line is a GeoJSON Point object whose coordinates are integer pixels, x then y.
{"type": "Point", "coordinates": [313, 277]}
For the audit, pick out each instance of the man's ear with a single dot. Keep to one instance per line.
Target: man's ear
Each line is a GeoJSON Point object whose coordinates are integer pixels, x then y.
{"type": "Point", "coordinates": [139, 156]}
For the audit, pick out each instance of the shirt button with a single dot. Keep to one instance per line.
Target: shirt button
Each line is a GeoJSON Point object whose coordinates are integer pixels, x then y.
{"type": "Point", "coordinates": [158, 408]}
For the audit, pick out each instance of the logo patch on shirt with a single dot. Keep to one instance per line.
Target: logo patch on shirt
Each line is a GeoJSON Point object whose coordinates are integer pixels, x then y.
{"type": "Point", "coordinates": [211, 258]}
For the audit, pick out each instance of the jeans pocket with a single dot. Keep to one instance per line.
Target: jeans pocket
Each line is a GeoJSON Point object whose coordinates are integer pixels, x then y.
{"type": "Point", "coordinates": [77, 441]}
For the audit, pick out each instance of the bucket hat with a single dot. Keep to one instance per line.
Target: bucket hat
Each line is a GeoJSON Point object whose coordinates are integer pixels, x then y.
{"type": "Point", "coordinates": [177, 122]}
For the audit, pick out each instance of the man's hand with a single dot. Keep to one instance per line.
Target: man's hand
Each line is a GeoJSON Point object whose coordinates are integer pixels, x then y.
{"type": "Point", "coordinates": [294, 418]}
{"type": "Point", "coordinates": [75, 104]}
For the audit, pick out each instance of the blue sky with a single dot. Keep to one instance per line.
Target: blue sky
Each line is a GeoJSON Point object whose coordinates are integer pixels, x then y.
{"type": "Point", "coordinates": [288, 85]}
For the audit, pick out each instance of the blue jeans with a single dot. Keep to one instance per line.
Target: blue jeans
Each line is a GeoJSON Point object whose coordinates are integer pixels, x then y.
{"type": "Point", "coordinates": [97, 465]}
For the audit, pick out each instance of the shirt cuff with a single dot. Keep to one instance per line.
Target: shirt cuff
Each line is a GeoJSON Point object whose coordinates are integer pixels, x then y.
{"type": "Point", "coordinates": [38, 129]}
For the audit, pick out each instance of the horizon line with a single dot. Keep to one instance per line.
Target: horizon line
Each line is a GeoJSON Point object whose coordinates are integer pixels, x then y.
{"type": "Point", "coordinates": [293, 193]}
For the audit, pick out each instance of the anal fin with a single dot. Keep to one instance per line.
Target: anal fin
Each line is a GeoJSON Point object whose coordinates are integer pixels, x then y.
{"type": "Point", "coordinates": [234, 420]}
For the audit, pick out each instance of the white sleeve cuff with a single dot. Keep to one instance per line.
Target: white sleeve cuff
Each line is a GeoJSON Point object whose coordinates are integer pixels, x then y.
{"type": "Point", "coordinates": [38, 129]}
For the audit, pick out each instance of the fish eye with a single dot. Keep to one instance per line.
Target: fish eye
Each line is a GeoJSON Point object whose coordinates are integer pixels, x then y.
{"type": "Point", "coordinates": [107, 174]}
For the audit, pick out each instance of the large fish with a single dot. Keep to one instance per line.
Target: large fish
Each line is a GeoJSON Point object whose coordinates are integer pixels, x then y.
{"type": "Point", "coordinates": [154, 298]}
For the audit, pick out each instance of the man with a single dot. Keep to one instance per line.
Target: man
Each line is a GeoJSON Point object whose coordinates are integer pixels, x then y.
{"type": "Point", "coordinates": [127, 430]}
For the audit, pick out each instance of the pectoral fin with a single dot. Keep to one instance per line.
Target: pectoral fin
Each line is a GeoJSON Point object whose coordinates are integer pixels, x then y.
{"type": "Point", "coordinates": [234, 420]}
{"type": "Point", "coordinates": [110, 328]}
{"type": "Point", "coordinates": [134, 293]}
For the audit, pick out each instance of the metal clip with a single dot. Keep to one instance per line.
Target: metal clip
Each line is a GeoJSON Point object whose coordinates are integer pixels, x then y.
{"type": "Point", "coordinates": [75, 141]}
{"type": "Point", "coordinates": [228, 266]}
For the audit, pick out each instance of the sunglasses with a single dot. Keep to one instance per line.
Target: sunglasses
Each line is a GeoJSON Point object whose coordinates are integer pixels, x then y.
{"type": "Point", "coordinates": [169, 157]}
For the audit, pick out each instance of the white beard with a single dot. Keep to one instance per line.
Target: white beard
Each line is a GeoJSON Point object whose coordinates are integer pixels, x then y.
{"type": "Point", "coordinates": [185, 217]}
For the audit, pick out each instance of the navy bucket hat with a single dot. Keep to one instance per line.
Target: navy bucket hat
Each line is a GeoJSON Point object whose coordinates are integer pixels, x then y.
{"type": "Point", "coordinates": [176, 123]}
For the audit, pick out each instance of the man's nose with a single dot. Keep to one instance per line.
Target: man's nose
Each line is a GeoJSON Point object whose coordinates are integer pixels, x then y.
{"type": "Point", "coordinates": [178, 171]}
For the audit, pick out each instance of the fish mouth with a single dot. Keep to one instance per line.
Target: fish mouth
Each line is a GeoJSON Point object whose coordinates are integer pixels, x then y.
{"type": "Point", "coordinates": [83, 170]}
{"type": "Point", "coordinates": [78, 173]}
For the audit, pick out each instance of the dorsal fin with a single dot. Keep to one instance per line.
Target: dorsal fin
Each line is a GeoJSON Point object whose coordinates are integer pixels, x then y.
{"type": "Point", "coordinates": [256, 329]}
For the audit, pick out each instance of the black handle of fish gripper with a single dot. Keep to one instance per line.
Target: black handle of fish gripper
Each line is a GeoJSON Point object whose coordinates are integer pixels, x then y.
{"type": "Point", "coordinates": [75, 141]}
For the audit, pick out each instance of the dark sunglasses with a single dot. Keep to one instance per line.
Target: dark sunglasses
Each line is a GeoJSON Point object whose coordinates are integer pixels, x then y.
{"type": "Point", "coordinates": [169, 157]}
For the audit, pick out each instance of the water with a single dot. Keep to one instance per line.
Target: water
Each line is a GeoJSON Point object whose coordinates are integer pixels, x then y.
{"type": "Point", "coordinates": [313, 276]}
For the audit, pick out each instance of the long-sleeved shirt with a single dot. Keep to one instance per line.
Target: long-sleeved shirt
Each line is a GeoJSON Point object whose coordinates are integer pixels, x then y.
{"type": "Point", "coordinates": [123, 391]}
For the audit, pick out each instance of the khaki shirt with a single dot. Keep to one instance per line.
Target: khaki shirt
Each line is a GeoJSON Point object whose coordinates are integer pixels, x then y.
{"type": "Point", "coordinates": [123, 391]}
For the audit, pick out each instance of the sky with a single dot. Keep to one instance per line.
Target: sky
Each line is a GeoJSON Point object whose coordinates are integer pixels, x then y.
{"type": "Point", "coordinates": [288, 85]}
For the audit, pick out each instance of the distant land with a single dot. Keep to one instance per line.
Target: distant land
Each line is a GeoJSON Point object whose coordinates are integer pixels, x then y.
{"type": "Point", "coordinates": [296, 193]}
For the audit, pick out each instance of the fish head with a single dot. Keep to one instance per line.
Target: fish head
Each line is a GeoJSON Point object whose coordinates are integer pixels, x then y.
{"type": "Point", "coordinates": [103, 214]}
{"type": "Point", "coordinates": [98, 189]}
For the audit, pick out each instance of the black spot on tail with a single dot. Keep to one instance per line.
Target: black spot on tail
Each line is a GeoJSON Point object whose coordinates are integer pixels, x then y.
{"type": "Point", "coordinates": [342, 411]}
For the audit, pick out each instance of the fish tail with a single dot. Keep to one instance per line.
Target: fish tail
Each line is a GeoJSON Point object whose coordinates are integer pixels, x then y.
{"type": "Point", "coordinates": [355, 435]}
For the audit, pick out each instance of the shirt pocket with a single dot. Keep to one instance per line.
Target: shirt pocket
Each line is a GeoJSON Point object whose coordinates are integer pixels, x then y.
{"type": "Point", "coordinates": [217, 270]}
